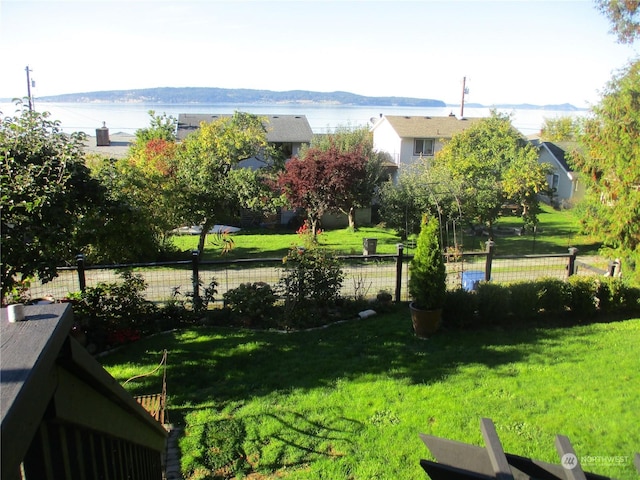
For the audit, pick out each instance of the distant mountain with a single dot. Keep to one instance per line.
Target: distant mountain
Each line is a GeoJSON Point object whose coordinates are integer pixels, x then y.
{"type": "Point", "coordinates": [238, 96]}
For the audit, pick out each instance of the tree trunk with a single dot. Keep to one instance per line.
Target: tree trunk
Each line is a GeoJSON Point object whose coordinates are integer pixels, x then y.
{"type": "Point", "coordinates": [351, 215]}
{"type": "Point", "coordinates": [206, 226]}
{"type": "Point", "coordinates": [314, 228]}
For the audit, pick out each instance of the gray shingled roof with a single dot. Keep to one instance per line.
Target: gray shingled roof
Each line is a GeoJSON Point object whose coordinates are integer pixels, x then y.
{"type": "Point", "coordinates": [117, 148]}
{"type": "Point", "coordinates": [560, 150]}
{"type": "Point", "coordinates": [280, 128]}
{"type": "Point", "coordinates": [429, 127]}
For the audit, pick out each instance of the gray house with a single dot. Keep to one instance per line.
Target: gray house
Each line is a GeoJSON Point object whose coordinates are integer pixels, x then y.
{"type": "Point", "coordinates": [287, 132]}
{"type": "Point", "coordinates": [563, 181]}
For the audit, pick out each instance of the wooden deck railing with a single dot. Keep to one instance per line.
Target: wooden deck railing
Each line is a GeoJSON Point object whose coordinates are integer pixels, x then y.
{"type": "Point", "coordinates": [63, 415]}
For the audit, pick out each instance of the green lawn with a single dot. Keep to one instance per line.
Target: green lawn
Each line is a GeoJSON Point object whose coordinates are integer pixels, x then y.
{"type": "Point", "coordinates": [348, 401]}
{"type": "Point", "coordinates": [558, 230]}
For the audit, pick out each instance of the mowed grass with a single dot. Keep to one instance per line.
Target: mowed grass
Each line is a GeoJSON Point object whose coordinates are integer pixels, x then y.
{"type": "Point", "coordinates": [275, 243]}
{"type": "Point", "coordinates": [348, 401]}
{"type": "Point", "coordinates": [557, 231]}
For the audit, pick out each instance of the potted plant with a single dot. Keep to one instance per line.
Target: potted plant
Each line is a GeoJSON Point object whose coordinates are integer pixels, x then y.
{"type": "Point", "coordinates": [428, 280]}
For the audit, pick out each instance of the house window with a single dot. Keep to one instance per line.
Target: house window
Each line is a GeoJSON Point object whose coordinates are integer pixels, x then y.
{"type": "Point", "coordinates": [423, 146]}
{"type": "Point", "coordinates": [554, 182]}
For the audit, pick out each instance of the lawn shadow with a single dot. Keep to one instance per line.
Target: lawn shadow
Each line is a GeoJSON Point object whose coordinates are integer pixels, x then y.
{"type": "Point", "coordinates": [229, 365]}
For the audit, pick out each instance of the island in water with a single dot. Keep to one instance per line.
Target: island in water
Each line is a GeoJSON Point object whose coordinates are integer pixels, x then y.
{"type": "Point", "coordinates": [212, 95]}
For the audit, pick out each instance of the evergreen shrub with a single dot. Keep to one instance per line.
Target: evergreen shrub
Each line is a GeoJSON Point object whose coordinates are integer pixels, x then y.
{"type": "Point", "coordinates": [493, 302]}
{"type": "Point", "coordinates": [553, 295]}
{"type": "Point", "coordinates": [524, 299]}
{"type": "Point", "coordinates": [460, 308]}
{"type": "Point", "coordinates": [251, 302]}
{"type": "Point", "coordinates": [428, 277]}
{"type": "Point", "coordinates": [582, 296]}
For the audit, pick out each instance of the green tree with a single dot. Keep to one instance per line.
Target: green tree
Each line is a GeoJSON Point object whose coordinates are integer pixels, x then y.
{"type": "Point", "coordinates": [144, 198]}
{"type": "Point", "coordinates": [420, 187]}
{"type": "Point", "coordinates": [149, 174]}
{"type": "Point", "coordinates": [148, 179]}
{"type": "Point", "coordinates": [205, 161]}
{"type": "Point", "coordinates": [479, 160]}
{"type": "Point", "coordinates": [161, 127]}
{"type": "Point", "coordinates": [348, 140]}
{"type": "Point", "coordinates": [611, 165]}
{"type": "Point", "coordinates": [524, 180]}
{"type": "Point", "coordinates": [45, 189]}
{"type": "Point", "coordinates": [561, 129]}
{"type": "Point", "coordinates": [624, 16]}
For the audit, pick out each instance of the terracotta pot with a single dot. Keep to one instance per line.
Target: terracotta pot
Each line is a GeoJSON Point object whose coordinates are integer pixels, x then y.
{"type": "Point", "coordinates": [425, 322]}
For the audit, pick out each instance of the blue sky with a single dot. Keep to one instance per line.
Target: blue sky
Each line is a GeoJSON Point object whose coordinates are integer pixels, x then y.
{"type": "Point", "coordinates": [531, 51]}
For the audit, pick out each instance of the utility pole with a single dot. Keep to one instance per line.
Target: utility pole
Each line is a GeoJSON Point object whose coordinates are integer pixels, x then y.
{"type": "Point", "coordinates": [29, 88]}
{"type": "Point", "coordinates": [465, 91]}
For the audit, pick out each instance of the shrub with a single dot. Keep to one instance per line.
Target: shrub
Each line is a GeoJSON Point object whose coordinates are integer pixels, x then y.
{"type": "Point", "coordinates": [553, 295]}
{"type": "Point", "coordinates": [384, 297]}
{"type": "Point", "coordinates": [200, 304]}
{"type": "Point", "coordinates": [615, 295]}
{"type": "Point", "coordinates": [251, 302]}
{"type": "Point", "coordinates": [112, 313]}
{"type": "Point", "coordinates": [310, 284]}
{"type": "Point", "coordinates": [629, 299]}
{"type": "Point", "coordinates": [18, 292]}
{"type": "Point", "coordinates": [460, 307]}
{"type": "Point", "coordinates": [428, 277]}
{"type": "Point", "coordinates": [493, 302]}
{"type": "Point", "coordinates": [114, 305]}
{"type": "Point", "coordinates": [311, 274]}
{"type": "Point", "coordinates": [582, 296]}
{"type": "Point", "coordinates": [524, 299]}
{"type": "Point", "coordinates": [174, 314]}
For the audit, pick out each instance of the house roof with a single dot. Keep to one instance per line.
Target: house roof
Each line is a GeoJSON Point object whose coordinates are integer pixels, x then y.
{"type": "Point", "coordinates": [428, 127]}
{"type": "Point", "coordinates": [280, 128]}
{"type": "Point", "coordinates": [119, 144]}
{"type": "Point", "coordinates": [559, 150]}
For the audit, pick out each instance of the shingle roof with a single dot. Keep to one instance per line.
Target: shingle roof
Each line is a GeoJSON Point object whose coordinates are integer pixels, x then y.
{"type": "Point", "coordinates": [559, 151]}
{"type": "Point", "coordinates": [280, 128]}
{"type": "Point", "coordinates": [429, 127]}
{"type": "Point", "coordinates": [118, 147]}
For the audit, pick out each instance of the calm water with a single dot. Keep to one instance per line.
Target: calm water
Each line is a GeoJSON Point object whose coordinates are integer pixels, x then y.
{"type": "Point", "coordinates": [127, 118]}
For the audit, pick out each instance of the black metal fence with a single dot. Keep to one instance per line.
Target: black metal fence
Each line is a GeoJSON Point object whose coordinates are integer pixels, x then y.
{"type": "Point", "coordinates": [365, 275]}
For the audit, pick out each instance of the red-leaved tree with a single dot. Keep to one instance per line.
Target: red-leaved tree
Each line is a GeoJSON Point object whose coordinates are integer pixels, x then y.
{"type": "Point", "coordinates": [322, 181]}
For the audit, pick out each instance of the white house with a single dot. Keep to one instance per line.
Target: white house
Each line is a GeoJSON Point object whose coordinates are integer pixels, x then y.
{"type": "Point", "coordinates": [408, 138]}
{"type": "Point", "coordinates": [563, 181]}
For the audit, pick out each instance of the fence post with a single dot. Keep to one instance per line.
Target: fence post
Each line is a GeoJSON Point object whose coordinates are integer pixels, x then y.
{"type": "Point", "coordinates": [490, 251]}
{"type": "Point", "coordinates": [81, 277]}
{"type": "Point", "coordinates": [195, 278]}
{"type": "Point", "coordinates": [571, 268]}
{"type": "Point", "coordinates": [399, 260]}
